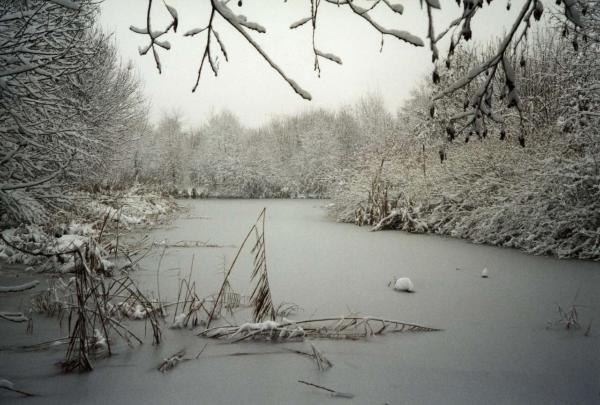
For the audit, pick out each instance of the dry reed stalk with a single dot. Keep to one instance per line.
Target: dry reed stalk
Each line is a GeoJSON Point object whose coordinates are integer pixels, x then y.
{"type": "Point", "coordinates": [588, 330]}
{"type": "Point", "coordinates": [285, 309]}
{"type": "Point", "coordinates": [191, 304]}
{"type": "Point", "coordinates": [158, 278]}
{"type": "Point", "coordinates": [191, 244]}
{"type": "Point", "coordinates": [174, 360]}
{"type": "Point", "coordinates": [92, 315]}
{"type": "Point", "coordinates": [171, 361]}
{"type": "Point", "coordinates": [323, 362]}
{"type": "Point", "coordinates": [333, 393]}
{"type": "Point", "coordinates": [181, 285]}
{"type": "Point", "coordinates": [325, 328]}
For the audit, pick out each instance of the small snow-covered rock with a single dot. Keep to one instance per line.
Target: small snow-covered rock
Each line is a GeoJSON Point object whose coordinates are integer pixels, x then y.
{"type": "Point", "coordinates": [404, 284]}
{"type": "Point", "coordinates": [484, 273]}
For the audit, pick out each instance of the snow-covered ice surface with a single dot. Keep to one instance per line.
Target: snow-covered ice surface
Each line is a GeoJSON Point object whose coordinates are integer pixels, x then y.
{"type": "Point", "coordinates": [495, 347]}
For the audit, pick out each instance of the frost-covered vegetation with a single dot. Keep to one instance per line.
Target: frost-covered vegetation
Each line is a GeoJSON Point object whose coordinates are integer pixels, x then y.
{"type": "Point", "coordinates": [473, 179]}
{"type": "Point", "coordinates": [70, 114]}
{"type": "Point", "coordinates": [70, 108]}
{"type": "Point", "coordinates": [289, 157]}
{"type": "Point", "coordinates": [95, 214]}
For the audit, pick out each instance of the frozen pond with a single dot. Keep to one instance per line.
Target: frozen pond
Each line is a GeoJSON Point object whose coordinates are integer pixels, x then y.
{"type": "Point", "coordinates": [495, 346]}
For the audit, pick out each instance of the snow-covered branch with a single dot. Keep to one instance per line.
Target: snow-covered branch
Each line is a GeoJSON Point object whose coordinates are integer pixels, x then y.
{"type": "Point", "coordinates": [154, 35]}
{"type": "Point", "coordinates": [239, 24]}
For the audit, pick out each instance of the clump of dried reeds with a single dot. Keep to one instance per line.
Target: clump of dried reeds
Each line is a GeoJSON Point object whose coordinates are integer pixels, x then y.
{"type": "Point", "coordinates": [93, 303]}
{"type": "Point", "coordinates": [260, 299]}
{"type": "Point", "coordinates": [567, 318]}
{"type": "Point", "coordinates": [191, 310]}
{"type": "Point", "coordinates": [191, 304]}
{"type": "Point", "coordinates": [94, 317]}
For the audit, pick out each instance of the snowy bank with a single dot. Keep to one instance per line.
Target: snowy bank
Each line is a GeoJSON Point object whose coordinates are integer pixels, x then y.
{"type": "Point", "coordinates": [487, 193]}
{"type": "Point", "coordinates": [95, 225]}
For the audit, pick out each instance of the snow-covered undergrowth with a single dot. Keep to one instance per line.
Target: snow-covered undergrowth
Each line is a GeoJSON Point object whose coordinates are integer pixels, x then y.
{"type": "Point", "coordinates": [49, 246]}
{"type": "Point", "coordinates": [31, 245]}
{"type": "Point", "coordinates": [255, 191]}
{"type": "Point", "coordinates": [136, 206]}
{"type": "Point", "coordinates": [487, 192]}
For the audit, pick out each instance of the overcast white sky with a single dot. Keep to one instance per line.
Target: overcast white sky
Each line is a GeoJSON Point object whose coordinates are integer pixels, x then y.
{"type": "Point", "coordinates": [251, 89]}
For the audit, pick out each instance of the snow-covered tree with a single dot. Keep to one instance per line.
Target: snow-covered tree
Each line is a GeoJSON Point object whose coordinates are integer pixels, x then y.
{"type": "Point", "coordinates": [67, 104]}
{"type": "Point", "coordinates": [170, 150]}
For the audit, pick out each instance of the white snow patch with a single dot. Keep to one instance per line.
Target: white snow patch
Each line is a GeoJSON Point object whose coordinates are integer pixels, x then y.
{"type": "Point", "coordinates": [99, 341]}
{"type": "Point", "coordinates": [179, 321]}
